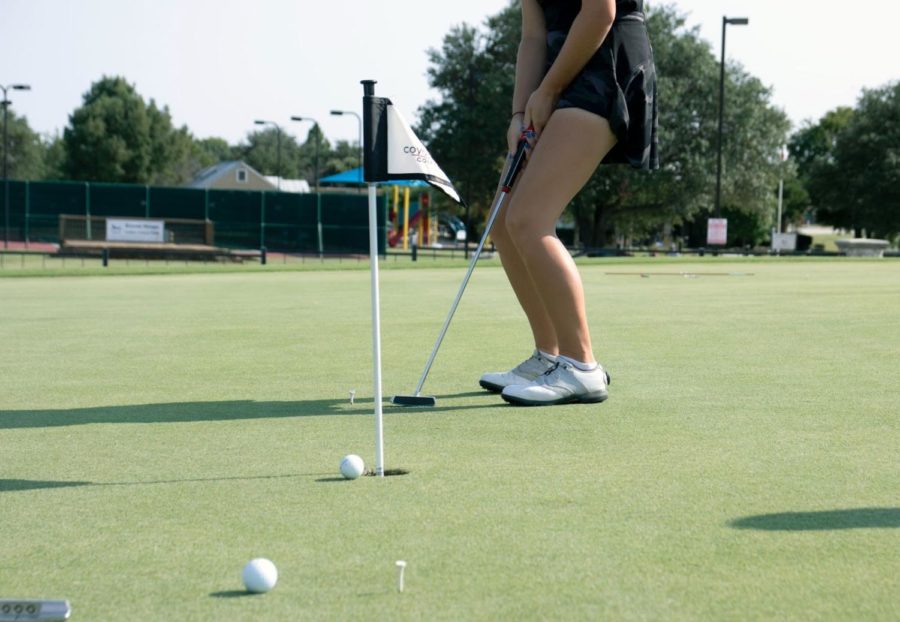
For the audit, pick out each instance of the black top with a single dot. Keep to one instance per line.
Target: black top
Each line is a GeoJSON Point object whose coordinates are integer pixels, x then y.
{"type": "Point", "coordinates": [559, 14]}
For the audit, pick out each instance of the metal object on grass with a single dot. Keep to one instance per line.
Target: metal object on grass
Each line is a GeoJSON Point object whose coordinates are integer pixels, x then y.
{"type": "Point", "coordinates": [12, 610]}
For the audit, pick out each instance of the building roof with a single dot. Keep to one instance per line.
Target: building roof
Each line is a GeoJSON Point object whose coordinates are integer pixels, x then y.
{"type": "Point", "coordinates": [208, 176]}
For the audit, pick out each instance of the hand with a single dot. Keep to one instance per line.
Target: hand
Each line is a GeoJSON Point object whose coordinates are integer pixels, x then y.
{"type": "Point", "coordinates": [537, 112]}
{"type": "Point", "coordinates": [514, 133]}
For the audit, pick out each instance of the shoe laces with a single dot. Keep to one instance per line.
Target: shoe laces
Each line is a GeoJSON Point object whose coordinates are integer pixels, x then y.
{"type": "Point", "coordinates": [545, 377]}
{"type": "Point", "coordinates": [535, 359]}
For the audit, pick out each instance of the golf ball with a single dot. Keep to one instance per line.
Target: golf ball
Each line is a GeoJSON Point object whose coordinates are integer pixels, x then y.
{"type": "Point", "coordinates": [260, 575]}
{"type": "Point", "coordinates": [352, 466]}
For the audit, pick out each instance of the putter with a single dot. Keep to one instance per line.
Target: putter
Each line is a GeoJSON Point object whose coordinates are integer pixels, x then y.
{"type": "Point", "coordinates": [417, 399]}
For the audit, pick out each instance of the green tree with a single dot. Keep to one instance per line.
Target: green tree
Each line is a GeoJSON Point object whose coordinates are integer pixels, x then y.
{"type": "Point", "coordinates": [344, 156]}
{"type": "Point", "coordinates": [307, 155]}
{"type": "Point", "coordinates": [812, 150]}
{"type": "Point", "coordinates": [54, 156]}
{"type": "Point", "coordinates": [116, 136]}
{"type": "Point", "coordinates": [209, 151]}
{"type": "Point", "coordinates": [26, 159]}
{"type": "Point", "coordinates": [171, 149]}
{"type": "Point", "coordinates": [260, 150]}
{"type": "Point", "coordinates": [853, 174]}
{"type": "Point", "coordinates": [465, 130]}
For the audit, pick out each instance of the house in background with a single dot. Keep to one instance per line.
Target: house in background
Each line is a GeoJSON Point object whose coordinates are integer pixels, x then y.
{"type": "Point", "coordinates": [233, 175]}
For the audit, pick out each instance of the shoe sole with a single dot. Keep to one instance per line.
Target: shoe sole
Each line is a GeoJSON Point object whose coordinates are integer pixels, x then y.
{"type": "Point", "coordinates": [493, 388]}
{"type": "Point", "coordinates": [572, 399]}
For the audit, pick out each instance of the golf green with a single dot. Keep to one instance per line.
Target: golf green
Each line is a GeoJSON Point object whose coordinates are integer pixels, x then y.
{"type": "Point", "coordinates": [159, 431]}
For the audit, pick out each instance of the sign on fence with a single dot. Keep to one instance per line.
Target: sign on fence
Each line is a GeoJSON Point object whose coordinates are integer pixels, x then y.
{"type": "Point", "coordinates": [134, 230]}
{"type": "Point", "coordinates": [717, 231]}
{"type": "Point", "coordinates": [784, 241]}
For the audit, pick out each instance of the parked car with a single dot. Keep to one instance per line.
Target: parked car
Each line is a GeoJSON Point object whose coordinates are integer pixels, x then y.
{"type": "Point", "coordinates": [451, 227]}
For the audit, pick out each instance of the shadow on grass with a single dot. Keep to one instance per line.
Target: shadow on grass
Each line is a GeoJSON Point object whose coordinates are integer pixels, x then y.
{"type": "Point", "coordinates": [177, 412]}
{"type": "Point", "coordinates": [857, 518]}
{"type": "Point", "coordinates": [16, 485]}
{"type": "Point", "coordinates": [232, 594]}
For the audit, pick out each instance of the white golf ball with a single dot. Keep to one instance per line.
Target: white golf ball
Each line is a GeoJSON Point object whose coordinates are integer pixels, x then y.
{"type": "Point", "coordinates": [352, 466]}
{"type": "Point", "coordinates": [260, 575]}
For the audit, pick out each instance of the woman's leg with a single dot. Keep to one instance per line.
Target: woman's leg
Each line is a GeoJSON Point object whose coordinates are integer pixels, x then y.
{"type": "Point", "coordinates": [568, 151]}
{"type": "Point", "coordinates": [528, 296]}
{"type": "Point", "coordinates": [530, 300]}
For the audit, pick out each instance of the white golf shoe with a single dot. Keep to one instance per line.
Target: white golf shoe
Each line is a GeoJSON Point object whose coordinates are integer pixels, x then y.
{"type": "Point", "coordinates": [562, 384]}
{"type": "Point", "coordinates": [526, 371]}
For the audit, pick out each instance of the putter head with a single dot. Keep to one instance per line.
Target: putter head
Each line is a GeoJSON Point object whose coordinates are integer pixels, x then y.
{"type": "Point", "coordinates": [414, 400]}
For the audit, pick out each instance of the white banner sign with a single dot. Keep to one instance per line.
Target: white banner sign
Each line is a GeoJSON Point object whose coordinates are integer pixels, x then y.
{"type": "Point", "coordinates": [134, 230]}
{"type": "Point", "coordinates": [784, 241]}
{"type": "Point", "coordinates": [717, 231]}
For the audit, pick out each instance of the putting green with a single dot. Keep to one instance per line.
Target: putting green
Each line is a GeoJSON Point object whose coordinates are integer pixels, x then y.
{"type": "Point", "coordinates": [158, 432]}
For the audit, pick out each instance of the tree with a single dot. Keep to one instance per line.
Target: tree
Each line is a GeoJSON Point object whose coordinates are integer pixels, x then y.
{"type": "Point", "coordinates": [868, 154]}
{"type": "Point", "coordinates": [54, 157]}
{"type": "Point", "coordinates": [812, 150]}
{"type": "Point", "coordinates": [260, 150]}
{"type": "Point", "coordinates": [344, 156]}
{"type": "Point", "coordinates": [170, 149]}
{"type": "Point", "coordinates": [116, 136]}
{"type": "Point", "coordinates": [25, 149]}
{"type": "Point", "coordinates": [209, 151]}
{"type": "Point", "coordinates": [307, 155]}
{"type": "Point", "coordinates": [465, 130]}
{"type": "Point", "coordinates": [851, 164]}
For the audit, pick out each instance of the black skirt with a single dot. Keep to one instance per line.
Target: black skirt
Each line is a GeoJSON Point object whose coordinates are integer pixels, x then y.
{"type": "Point", "coordinates": [619, 84]}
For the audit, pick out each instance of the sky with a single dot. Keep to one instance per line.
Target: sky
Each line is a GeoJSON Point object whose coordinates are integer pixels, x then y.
{"type": "Point", "coordinates": [219, 65]}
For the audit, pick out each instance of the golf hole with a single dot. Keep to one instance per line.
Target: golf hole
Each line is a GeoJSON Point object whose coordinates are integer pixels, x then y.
{"type": "Point", "coordinates": [389, 472]}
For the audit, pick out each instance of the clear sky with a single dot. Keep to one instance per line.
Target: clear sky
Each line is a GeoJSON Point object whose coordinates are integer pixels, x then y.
{"type": "Point", "coordinates": [218, 65]}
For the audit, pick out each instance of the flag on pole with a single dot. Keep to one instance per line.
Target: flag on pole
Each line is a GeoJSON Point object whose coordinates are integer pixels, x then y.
{"type": "Point", "coordinates": [391, 152]}
{"type": "Point", "coordinates": [394, 152]}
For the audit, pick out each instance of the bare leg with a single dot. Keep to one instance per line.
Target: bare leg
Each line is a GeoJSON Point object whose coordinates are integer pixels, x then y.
{"type": "Point", "coordinates": [568, 151]}
{"type": "Point", "coordinates": [524, 288]}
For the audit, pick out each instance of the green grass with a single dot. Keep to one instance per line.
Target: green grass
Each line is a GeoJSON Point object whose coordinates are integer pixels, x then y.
{"type": "Point", "coordinates": [158, 432]}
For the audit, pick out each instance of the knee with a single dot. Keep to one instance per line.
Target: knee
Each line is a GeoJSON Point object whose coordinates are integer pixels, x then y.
{"type": "Point", "coordinates": [520, 229]}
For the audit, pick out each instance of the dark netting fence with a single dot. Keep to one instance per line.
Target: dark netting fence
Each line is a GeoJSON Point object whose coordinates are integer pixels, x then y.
{"type": "Point", "coordinates": [280, 221]}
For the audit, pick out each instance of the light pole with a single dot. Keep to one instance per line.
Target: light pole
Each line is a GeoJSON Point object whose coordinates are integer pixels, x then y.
{"type": "Point", "coordinates": [278, 143]}
{"type": "Point", "coordinates": [783, 156]}
{"type": "Point", "coordinates": [317, 127]}
{"type": "Point", "coordinates": [5, 103]}
{"type": "Point", "coordinates": [734, 21]}
{"type": "Point", "coordinates": [338, 113]}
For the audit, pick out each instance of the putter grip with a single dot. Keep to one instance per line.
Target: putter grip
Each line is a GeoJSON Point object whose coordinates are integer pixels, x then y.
{"type": "Point", "coordinates": [517, 161]}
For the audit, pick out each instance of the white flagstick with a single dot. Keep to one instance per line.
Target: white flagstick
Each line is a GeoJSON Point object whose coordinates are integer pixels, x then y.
{"type": "Point", "coordinates": [376, 329]}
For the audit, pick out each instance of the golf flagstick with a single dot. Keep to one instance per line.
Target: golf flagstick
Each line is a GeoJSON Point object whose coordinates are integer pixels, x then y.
{"type": "Point", "coordinates": [416, 399]}
{"type": "Point", "coordinates": [392, 152]}
{"type": "Point", "coordinates": [369, 92]}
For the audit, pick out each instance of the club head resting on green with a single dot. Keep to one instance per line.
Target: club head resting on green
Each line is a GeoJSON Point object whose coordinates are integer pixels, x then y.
{"type": "Point", "coordinates": [414, 400]}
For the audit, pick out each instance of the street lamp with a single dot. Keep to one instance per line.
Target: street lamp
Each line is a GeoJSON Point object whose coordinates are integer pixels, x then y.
{"type": "Point", "coordinates": [5, 103]}
{"type": "Point", "coordinates": [316, 180]}
{"type": "Point", "coordinates": [734, 21]}
{"type": "Point", "coordinates": [338, 113]}
{"type": "Point", "coordinates": [278, 142]}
